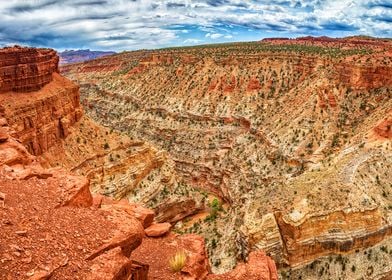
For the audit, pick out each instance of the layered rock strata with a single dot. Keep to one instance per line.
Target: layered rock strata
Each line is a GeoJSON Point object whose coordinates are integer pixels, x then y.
{"type": "Point", "coordinates": [42, 118]}
{"type": "Point", "coordinates": [26, 69]}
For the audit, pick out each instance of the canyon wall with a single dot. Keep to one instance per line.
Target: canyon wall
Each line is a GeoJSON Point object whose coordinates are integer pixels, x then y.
{"type": "Point", "coordinates": [364, 76]}
{"type": "Point", "coordinates": [332, 233]}
{"type": "Point", "coordinates": [26, 69]}
{"type": "Point", "coordinates": [42, 117]}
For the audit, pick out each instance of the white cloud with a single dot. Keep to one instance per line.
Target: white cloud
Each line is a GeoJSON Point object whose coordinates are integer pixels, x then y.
{"type": "Point", "coordinates": [192, 41]}
{"type": "Point", "coordinates": [214, 36]}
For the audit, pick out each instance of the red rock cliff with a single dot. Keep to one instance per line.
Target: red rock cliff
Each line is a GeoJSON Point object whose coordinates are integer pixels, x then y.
{"type": "Point", "coordinates": [26, 69]}
{"type": "Point", "coordinates": [44, 114]}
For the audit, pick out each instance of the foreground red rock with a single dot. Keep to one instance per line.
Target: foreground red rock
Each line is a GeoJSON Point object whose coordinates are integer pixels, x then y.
{"type": "Point", "coordinates": [156, 230]}
{"type": "Point", "coordinates": [50, 230]}
{"type": "Point", "coordinates": [258, 267]}
{"type": "Point", "coordinates": [57, 240]}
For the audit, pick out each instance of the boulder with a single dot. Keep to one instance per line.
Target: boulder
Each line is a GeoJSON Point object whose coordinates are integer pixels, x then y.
{"type": "Point", "coordinates": [197, 266]}
{"type": "Point", "coordinates": [128, 235]}
{"type": "Point", "coordinates": [157, 230]}
{"type": "Point", "coordinates": [258, 267]}
{"type": "Point", "coordinates": [144, 215]}
{"type": "Point", "coordinates": [3, 135]}
{"type": "Point", "coordinates": [75, 191]}
{"type": "Point", "coordinates": [12, 152]}
{"type": "Point", "coordinates": [175, 211]}
{"type": "Point", "coordinates": [3, 122]}
{"type": "Point", "coordinates": [111, 265]}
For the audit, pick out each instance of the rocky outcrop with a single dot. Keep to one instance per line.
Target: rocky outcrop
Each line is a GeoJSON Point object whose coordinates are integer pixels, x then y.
{"type": "Point", "coordinates": [156, 59]}
{"type": "Point", "coordinates": [384, 129]}
{"type": "Point", "coordinates": [258, 267]}
{"type": "Point", "coordinates": [122, 235]}
{"type": "Point", "coordinates": [253, 84]}
{"type": "Point", "coordinates": [26, 69]}
{"type": "Point", "coordinates": [172, 212]}
{"type": "Point", "coordinates": [364, 76]}
{"type": "Point", "coordinates": [307, 238]}
{"type": "Point", "coordinates": [42, 118]}
{"type": "Point", "coordinates": [197, 266]}
{"type": "Point", "coordinates": [159, 229]}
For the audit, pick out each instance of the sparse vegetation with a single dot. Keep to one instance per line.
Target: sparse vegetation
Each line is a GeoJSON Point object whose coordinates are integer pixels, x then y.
{"type": "Point", "coordinates": [177, 262]}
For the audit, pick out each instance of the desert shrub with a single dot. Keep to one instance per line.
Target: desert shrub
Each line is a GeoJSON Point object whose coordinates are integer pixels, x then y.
{"type": "Point", "coordinates": [177, 262]}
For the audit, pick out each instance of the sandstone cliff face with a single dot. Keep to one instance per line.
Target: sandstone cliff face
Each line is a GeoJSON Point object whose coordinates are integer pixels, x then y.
{"type": "Point", "coordinates": [384, 128]}
{"type": "Point", "coordinates": [336, 232]}
{"type": "Point", "coordinates": [265, 128]}
{"type": "Point", "coordinates": [43, 117]}
{"type": "Point", "coordinates": [26, 69]}
{"type": "Point", "coordinates": [365, 77]}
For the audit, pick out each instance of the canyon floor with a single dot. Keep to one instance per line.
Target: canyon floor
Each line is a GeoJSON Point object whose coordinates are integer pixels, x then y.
{"type": "Point", "coordinates": [281, 145]}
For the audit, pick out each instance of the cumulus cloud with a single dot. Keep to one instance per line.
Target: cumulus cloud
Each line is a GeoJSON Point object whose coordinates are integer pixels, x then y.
{"type": "Point", "coordinates": [214, 35]}
{"type": "Point", "coordinates": [134, 24]}
{"type": "Point", "coordinates": [192, 41]}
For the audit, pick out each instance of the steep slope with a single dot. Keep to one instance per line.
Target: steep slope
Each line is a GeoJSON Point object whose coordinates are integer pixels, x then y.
{"type": "Point", "coordinates": [270, 128]}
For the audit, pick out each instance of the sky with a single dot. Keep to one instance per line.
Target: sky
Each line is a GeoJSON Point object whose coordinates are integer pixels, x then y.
{"type": "Point", "coordinates": [138, 24]}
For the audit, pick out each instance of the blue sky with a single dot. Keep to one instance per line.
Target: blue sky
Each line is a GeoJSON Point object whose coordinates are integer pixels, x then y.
{"type": "Point", "coordinates": [134, 24]}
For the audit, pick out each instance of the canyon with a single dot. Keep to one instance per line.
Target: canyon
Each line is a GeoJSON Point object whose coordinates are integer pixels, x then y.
{"type": "Point", "coordinates": [282, 145]}
{"type": "Point", "coordinates": [81, 201]}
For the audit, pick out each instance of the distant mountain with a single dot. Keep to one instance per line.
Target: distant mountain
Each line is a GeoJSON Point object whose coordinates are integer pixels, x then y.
{"type": "Point", "coordinates": [73, 56]}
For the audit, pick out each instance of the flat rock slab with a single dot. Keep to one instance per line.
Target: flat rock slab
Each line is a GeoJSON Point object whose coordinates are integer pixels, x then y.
{"type": "Point", "coordinates": [157, 230]}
